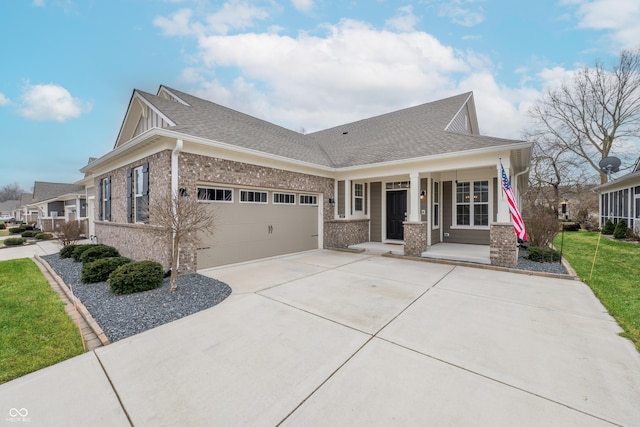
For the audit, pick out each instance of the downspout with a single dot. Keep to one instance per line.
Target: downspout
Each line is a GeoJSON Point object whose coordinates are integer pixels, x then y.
{"type": "Point", "coordinates": [174, 190]}
{"type": "Point", "coordinates": [515, 181]}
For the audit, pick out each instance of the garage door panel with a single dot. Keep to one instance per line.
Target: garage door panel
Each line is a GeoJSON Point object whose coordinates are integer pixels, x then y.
{"type": "Point", "coordinates": [251, 231]}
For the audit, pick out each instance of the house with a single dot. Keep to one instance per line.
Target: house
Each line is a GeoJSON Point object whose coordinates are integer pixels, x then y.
{"type": "Point", "coordinates": [57, 202]}
{"type": "Point", "coordinates": [25, 214]}
{"type": "Point", "coordinates": [8, 209]}
{"type": "Point", "coordinates": [418, 176]}
{"type": "Point", "coordinates": [620, 199]}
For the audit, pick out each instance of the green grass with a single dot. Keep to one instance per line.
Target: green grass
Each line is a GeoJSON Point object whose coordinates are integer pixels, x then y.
{"type": "Point", "coordinates": [35, 331]}
{"type": "Point", "coordinates": [616, 275]}
{"type": "Point", "coordinates": [4, 232]}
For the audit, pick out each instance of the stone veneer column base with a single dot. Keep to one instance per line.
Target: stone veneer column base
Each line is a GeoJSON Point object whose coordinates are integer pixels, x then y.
{"type": "Point", "coordinates": [415, 238]}
{"type": "Point", "coordinates": [503, 244]}
{"type": "Point", "coordinates": [343, 233]}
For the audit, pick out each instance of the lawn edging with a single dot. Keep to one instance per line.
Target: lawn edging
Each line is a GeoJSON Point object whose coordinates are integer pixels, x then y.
{"type": "Point", "coordinates": [81, 308]}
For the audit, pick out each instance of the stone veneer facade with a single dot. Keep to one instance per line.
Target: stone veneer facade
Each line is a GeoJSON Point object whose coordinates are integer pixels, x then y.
{"type": "Point", "coordinates": [342, 233]}
{"type": "Point", "coordinates": [415, 238]}
{"type": "Point", "coordinates": [503, 244]}
{"type": "Point", "coordinates": [137, 242]}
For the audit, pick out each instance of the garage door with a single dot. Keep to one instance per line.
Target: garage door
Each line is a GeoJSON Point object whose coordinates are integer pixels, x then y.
{"type": "Point", "coordinates": [256, 224]}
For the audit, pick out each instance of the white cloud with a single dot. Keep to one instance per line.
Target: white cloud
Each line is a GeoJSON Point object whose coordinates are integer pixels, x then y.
{"type": "Point", "coordinates": [38, 3]}
{"type": "Point", "coordinates": [50, 102]}
{"type": "Point", "coordinates": [404, 21]}
{"type": "Point", "coordinates": [4, 100]}
{"type": "Point", "coordinates": [621, 19]}
{"type": "Point", "coordinates": [462, 12]}
{"type": "Point", "coordinates": [304, 6]}
{"type": "Point", "coordinates": [178, 25]}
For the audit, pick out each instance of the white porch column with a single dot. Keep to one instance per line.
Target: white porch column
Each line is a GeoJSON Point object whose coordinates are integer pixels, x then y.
{"type": "Point", "coordinates": [414, 204]}
{"type": "Point", "coordinates": [503, 214]}
{"type": "Point", "coordinates": [347, 198]}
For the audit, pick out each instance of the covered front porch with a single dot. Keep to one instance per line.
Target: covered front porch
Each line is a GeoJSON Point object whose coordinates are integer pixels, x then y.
{"type": "Point", "coordinates": [480, 254]}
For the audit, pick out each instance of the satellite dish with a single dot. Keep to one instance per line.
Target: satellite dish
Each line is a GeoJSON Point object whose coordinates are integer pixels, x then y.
{"type": "Point", "coordinates": [609, 164]}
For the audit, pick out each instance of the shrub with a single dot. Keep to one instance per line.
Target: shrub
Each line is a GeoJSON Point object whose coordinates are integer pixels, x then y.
{"type": "Point", "coordinates": [99, 270]}
{"type": "Point", "coordinates": [79, 250]}
{"type": "Point", "coordinates": [620, 232]}
{"type": "Point", "coordinates": [14, 241]}
{"type": "Point", "coordinates": [29, 233]}
{"type": "Point", "coordinates": [43, 236]}
{"type": "Point", "coordinates": [68, 232]}
{"type": "Point", "coordinates": [27, 227]}
{"type": "Point", "coordinates": [608, 227]}
{"type": "Point", "coordinates": [67, 251]}
{"type": "Point", "coordinates": [2, 225]}
{"type": "Point", "coordinates": [136, 277]}
{"type": "Point", "coordinates": [539, 254]}
{"type": "Point", "coordinates": [96, 252]}
{"type": "Point", "coordinates": [16, 230]}
{"type": "Point", "coordinates": [542, 226]}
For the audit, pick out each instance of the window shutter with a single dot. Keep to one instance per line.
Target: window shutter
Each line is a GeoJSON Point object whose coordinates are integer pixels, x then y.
{"type": "Point", "coordinates": [364, 198]}
{"type": "Point", "coordinates": [107, 205]}
{"type": "Point", "coordinates": [100, 194]}
{"type": "Point", "coordinates": [145, 190]}
{"type": "Point", "coordinates": [129, 195]}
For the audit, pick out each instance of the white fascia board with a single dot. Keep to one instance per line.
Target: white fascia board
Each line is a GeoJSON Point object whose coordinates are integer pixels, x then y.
{"type": "Point", "coordinates": [137, 97]}
{"type": "Point", "coordinates": [178, 99]}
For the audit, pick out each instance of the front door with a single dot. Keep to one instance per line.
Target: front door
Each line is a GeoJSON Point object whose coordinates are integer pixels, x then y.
{"type": "Point", "coordinates": [396, 214]}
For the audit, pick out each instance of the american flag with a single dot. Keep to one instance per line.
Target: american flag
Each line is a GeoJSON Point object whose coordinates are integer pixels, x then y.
{"type": "Point", "coordinates": [518, 223]}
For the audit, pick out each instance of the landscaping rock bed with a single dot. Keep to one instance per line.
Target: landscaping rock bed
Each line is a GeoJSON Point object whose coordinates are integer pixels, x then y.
{"type": "Point", "coordinates": [541, 267]}
{"type": "Point", "coordinates": [121, 316]}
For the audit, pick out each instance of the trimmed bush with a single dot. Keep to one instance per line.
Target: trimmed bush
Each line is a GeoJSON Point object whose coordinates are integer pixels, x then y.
{"type": "Point", "coordinates": [99, 270]}
{"type": "Point", "coordinates": [620, 232]}
{"type": "Point", "coordinates": [43, 236]}
{"type": "Point", "coordinates": [14, 241]}
{"type": "Point", "coordinates": [2, 225]}
{"type": "Point", "coordinates": [27, 227]}
{"type": "Point", "coordinates": [79, 250]}
{"type": "Point", "coordinates": [539, 254]}
{"type": "Point", "coordinates": [97, 252]}
{"type": "Point", "coordinates": [136, 277]}
{"type": "Point", "coordinates": [67, 251]}
{"type": "Point", "coordinates": [608, 227]}
{"type": "Point", "coordinates": [29, 233]}
{"type": "Point", "coordinates": [16, 230]}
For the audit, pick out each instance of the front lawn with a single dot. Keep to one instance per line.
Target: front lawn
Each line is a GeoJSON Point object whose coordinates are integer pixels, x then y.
{"type": "Point", "coordinates": [35, 331]}
{"type": "Point", "coordinates": [616, 275]}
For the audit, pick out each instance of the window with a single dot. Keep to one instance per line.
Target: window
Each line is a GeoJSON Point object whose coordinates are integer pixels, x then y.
{"type": "Point", "coordinates": [472, 203]}
{"type": "Point", "coordinates": [248, 196]}
{"type": "Point", "coordinates": [435, 220]}
{"type": "Point", "coordinates": [308, 199]}
{"type": "Point", "coordinates": [284, 198]}
{"type": "Point", "coordinates": [358, 197]}
{"type": "Point", "coordinates": [215, 194]}
{"type": "Point", "coordinates": [138, 196]}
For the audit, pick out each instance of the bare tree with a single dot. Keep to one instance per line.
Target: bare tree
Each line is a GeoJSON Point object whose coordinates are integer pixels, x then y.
{"type": "Point", "coordinates": [593, 115]}
{"type": "Point", "coordinates": [179, 219]}
{"type": "Point", "coordinates": [68, 232]}
{"type": "Point", "coordinates": [10, 192]}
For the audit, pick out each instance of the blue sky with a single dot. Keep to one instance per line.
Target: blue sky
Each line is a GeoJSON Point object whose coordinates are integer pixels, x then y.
{"type": "Point", "coordinates": [68, 66]}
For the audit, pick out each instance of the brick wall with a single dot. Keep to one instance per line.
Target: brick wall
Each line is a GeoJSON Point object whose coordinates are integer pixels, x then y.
{"type": "Point", "coordinates": [415, 238]}
{"type": "Point", "coordinates": [343, 233]}
{"type": "Point", "coordinates": [503, 245]}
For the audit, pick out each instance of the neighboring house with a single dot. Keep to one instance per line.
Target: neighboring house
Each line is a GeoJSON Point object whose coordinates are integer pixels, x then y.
{"type": "Point", "coordinates": [8, 209]}
{"type": "Point", "coordinates": [26, 214]}
{"type": "Point", "coordinates": [418, 176]}
{"type": "Point", "coordinates": [620, 199]}
{"type": "Point", "coordinates": [58, 202]}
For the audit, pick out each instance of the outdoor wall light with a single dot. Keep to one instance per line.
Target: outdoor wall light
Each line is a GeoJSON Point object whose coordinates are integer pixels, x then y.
{"type": "Point", "coordinates": [183, 192]}
{"type": "Point", "coordinates": [422, 194]}
{"type": "Point", "coordinates": [332, 202]}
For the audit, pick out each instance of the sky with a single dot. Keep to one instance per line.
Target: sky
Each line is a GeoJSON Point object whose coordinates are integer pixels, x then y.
{"type": "Point", "coordinates": [68, 67]}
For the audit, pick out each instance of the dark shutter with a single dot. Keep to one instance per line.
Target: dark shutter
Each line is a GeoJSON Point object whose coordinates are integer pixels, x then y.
{"type": "Point", "coordinates": [129, 195]}
{"type": "Point", "coordinates": [145, 191]}
{"type": "Point", "coordinates": [364, 198]}
{"type": "Point", "coordinates": [100, 192]}
{"type": "Point", "coordinates": [107, 205]}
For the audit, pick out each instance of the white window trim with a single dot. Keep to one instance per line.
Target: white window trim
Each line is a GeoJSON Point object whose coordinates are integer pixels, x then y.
{"type": "Point", "coordinates": [314, 196]}
{"type": "Point", "coordinates": [137, 175]}
{"type": "Point", "coordinates": [204, 187]}
{"type": "Point", "coordinates": [275, 193]}
{"type": "Point", "coordinates": [255, 191]}
{"type": "Point", "coordinates": [105, 197]}
{"type": "Point", "coordinates": [454, 211]}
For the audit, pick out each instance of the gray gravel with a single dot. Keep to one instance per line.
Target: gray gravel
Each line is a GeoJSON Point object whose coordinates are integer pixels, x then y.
{"type": "Point", "coordinates": [543, 267]}
{"type": "Point", "coordinates": [121, 316]}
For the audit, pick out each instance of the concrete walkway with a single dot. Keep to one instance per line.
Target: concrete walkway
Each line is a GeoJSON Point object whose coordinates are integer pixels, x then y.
{"type": "Point", "coordinates": [332, 338]}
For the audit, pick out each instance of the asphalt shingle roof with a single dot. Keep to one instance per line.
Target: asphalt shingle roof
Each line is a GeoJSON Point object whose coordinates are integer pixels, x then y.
{"type": "Point", "coordinates": [404, 134]}
{"type": "Point", "coordinates": [51, 190]}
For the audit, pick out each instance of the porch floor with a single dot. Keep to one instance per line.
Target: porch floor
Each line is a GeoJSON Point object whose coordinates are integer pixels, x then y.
{"type": "Point", "coordinates": [447, 251]}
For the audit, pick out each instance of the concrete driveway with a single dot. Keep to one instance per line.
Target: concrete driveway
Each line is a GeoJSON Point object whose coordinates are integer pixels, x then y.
{"type": "Point", "coordinates": [332, 338]}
